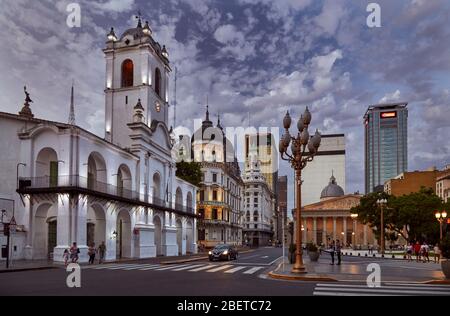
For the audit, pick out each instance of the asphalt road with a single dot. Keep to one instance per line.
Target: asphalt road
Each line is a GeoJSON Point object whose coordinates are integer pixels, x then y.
{"type": "Point", "coordinates": [246, 276]}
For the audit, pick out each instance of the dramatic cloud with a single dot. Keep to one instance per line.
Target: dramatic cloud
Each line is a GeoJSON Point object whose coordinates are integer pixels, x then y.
{"type": "Point", "coordinates": [255, 59]}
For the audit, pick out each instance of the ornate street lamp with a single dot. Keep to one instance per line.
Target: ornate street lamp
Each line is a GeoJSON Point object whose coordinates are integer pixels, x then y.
{"type": "Point", "coordinates": [298, 158]}
{"type": "Point", "coordinates": [441, 216]}
{"type": "Point", "coordinates": [382, 203]}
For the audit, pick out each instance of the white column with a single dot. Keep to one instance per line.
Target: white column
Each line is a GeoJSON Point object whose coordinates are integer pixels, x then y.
{"type": "Point", "coordinates": [80, 209]}
{"type": "Point", "coordinates": [63, 227]}
{"type": "Point", "coordinates": [334, 228]}
{"type": "Point", "coordinates": [315, 230]}
{"type": "Point", "coordinates": [344, 239]}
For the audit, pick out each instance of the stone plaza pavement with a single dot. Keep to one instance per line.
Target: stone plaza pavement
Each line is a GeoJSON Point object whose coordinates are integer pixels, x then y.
{"type": "Point", "coordinates": [355, 269]}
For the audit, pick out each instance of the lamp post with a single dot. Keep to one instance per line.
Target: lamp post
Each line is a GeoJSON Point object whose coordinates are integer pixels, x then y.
{"type": "Point", "coordinates": [441, 216]}
{"type": "Point", "coordinates": [354, 217]}
{"type": "Point", "coordinates": [298, 158]}
{"type": "Point", "coordinates": [382, 203]}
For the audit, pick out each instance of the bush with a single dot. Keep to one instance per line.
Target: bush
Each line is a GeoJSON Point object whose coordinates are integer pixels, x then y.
{"type": "Point", "coordinates": [311, 247]}
{"type": "Point", "coordinates": [445, 248]}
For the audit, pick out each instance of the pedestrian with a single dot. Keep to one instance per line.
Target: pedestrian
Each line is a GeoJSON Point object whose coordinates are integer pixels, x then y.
{"type": "Point", "coordinates": [74, 251]}
{"type": "Point", "coordinates": [409, 251]}
{"type": "Point", "coordinates": [101, 252]}
{"type": "Point", "coordinates": [331, 250]}
{"type": "Point", "coordinates": [338, 248]}
{"type": "Point", "coordinates": [437, 254]}
{"type": "Point", "coordinates": [91, 252]}
{"type": "Point", "coordinates": [425, 252]}
{"type": "Point", "coordinates": [417, 248]}
{"type": "Point", "coordinates": [66, 256]}
{"type": "Point", "coordinates": [370, 249]}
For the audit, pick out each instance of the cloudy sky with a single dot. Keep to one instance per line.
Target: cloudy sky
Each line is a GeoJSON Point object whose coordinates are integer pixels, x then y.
{"type": "Point", "coordinates": [254, 58]}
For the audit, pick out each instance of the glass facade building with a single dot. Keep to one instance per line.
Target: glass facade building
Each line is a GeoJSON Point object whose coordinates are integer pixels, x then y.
{"type": "Point", "coordinates": [386, 144]}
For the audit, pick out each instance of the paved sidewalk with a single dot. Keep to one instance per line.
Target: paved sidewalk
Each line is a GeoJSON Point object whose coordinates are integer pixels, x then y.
{"type": "Point", "coordinates": [356, 270]}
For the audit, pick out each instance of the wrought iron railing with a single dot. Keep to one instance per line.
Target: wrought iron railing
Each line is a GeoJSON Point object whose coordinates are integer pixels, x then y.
{"type": "Point", "coordinates": [47, 182]}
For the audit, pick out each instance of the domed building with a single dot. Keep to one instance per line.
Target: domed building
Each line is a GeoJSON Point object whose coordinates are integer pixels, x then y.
{"type": "Point", "coordinates": [332, 190]}
{"type": "Point", "coordinates": [219, 201]}
{"type": "Point", "coordinates": [330, 219]}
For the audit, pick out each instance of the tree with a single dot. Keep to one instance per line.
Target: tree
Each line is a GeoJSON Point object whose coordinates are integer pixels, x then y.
{"type": "Point", "coordinates": [190, 172]}
{"type": "Point", "coordinates": [411, 216]}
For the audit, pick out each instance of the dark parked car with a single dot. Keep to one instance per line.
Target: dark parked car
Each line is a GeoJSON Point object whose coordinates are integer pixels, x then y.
{"type": "Point", "coordinates": [223, 252]}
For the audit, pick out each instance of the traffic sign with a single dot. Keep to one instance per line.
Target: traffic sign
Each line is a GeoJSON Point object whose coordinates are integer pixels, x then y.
{"type": "Point", "coordinates": [12, 225]}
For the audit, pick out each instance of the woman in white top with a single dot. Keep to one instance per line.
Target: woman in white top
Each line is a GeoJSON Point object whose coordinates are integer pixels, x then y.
{"type": "Point", "coordinates": [437, 254]}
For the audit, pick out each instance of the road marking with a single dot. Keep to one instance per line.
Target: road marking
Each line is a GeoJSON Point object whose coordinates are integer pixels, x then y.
{"type": "Point", "coordinates": [202, 268]}
{"type": "Point", "coordinates": [122, 266]}
{"type": "Point", "coordinates": [264, 257]}
{"type": "Point", "coordinates": [151, 267]}
{"type": "Point", "coordinates": [142, 266]}
{"type": "Point", "coordinates": [172, 267]}
{"type": "Point", "coordinates": [384, 287]}
{"type": "Point", "coordinates": [253, 270]}
{"type": "Point", "coordinates": [188, 267]}
{"type": "Point", "coordinates": [220, 268]}
{"type": "Point", "coordinates": [236, 269]}
{"type": "Point", "coordinates": [385, 290]}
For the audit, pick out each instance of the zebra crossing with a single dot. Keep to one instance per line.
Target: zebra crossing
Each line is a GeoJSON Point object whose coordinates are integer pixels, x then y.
{"type": "Point", "coordinates": [387, 289]}
{"type": "Point", "coordinates": [189, 267]}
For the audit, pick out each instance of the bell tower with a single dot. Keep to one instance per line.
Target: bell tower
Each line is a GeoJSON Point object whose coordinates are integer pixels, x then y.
{"type": "Point", "coordinates": [137, 68]}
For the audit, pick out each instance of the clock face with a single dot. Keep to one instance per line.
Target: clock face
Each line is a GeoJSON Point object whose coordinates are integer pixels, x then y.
{"type": "Point", "coordinates": [157, 107]}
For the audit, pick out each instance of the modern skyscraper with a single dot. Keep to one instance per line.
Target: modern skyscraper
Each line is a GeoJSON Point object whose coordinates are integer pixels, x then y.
{"type": "Point", "coordinates": [330, 160]}
{"type": "Point", "coordinates": [386, 144]}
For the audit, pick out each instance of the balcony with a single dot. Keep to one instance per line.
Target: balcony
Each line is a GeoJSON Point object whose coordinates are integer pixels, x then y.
{"type": "Point", "coordinates": [83, 185]}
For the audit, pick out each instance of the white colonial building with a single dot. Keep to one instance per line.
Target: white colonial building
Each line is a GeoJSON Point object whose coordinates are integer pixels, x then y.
{"type": "Point", "coordinates": [67, 185]}
{"type": "Point", "coordinates": [259, 205]}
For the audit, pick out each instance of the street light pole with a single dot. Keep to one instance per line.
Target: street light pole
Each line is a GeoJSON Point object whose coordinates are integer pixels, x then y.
{"type": "Point", "coordinates": [441, 216]}
{"type": "Point", "coordinates": [382, 203]}
{"type": "Point", "coordinates": [298, 160]}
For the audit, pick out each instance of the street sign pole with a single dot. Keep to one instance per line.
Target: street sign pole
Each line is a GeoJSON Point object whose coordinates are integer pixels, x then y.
{"type": "Point", "coordinates": [282, 224]}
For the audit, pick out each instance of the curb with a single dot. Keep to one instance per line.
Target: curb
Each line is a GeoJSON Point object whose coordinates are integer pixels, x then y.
{"type": "Point", "coordinates": [438, 282]}
{"type": "Point", "coordinates": [27, 269]}
{"type": "Point", "coordinates": [301, 278]}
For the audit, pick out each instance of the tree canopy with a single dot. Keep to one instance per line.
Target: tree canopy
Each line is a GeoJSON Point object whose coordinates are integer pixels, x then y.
{"type": "Point", "coordinates": [190, 172]}
{"type": "Point", "coordinates": [411, 216]}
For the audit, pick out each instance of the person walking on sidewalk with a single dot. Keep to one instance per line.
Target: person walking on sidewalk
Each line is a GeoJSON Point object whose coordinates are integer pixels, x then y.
{"type": "Point", "coordinates": [331, 250]}
{"type": "Point", "coordinates": [66, 256]}
{"type": "Point", "coordinates": [409, 251]}
{"type": "Point", "coordinates": [91, 252]}
{"type": "Point", "coordinates": [417, 248]}
{"type": "Point", "coordinates": [425, 250]}
{"type": "Point", "coordinates": [437, 254]}
{"type": "Point", "coordinates": [101, 252]}
{"type": "Point", "coordinates": [338, 248]}
{"type": "Point", "coordinates": [74, 251]}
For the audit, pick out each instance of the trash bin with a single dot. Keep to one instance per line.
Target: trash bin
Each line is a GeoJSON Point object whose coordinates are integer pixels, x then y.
{"type": "Point", "coordinates": [4, 251]}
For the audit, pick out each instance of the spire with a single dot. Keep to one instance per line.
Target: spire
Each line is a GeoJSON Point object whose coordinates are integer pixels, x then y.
{"type": "Point", "coordinates": [72, 108]}
{"type": "Point", "coordinates": [139, 17]}
{"type": "Point", "coordinates": [207, 109]}
{"type": "Point", "coordinates": [218, 121]}
{"type": "Point", "coordinates": [26, 110]}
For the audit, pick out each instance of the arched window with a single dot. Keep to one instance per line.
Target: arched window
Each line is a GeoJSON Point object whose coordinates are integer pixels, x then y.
{"type": "Point", "coordinates": [255, 216]}
{"type": "Point", "coordinates": [127, 73]}
{"type": "Point", "coordinates": [158, 82]}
